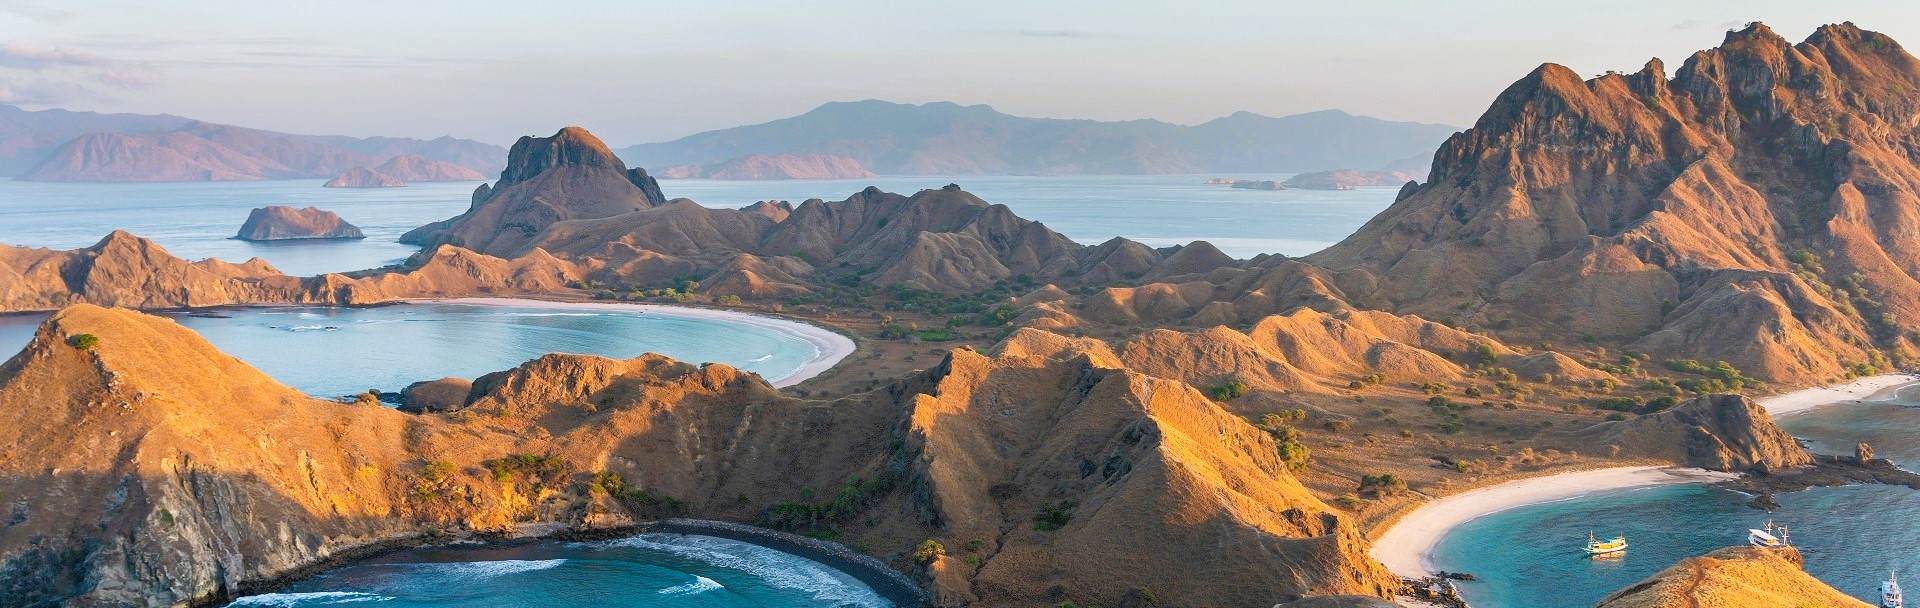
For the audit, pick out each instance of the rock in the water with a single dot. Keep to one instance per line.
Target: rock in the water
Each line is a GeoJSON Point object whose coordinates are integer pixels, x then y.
{"type": "Point", "coordinates": [1346, 179]}
{"type": "Point", "coordinates": [1266, 184]}
{"type": "Point", "coordinates": [277, 223]}
{"type": "Point", "coordinates": [1863, 453]}
{"type": "Point", "coordinates": [362, 177]}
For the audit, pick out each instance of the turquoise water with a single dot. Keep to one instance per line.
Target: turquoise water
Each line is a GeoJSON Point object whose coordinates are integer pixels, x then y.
{"type": "Point", "coordinates": [195, 220]}
{"type": "Point", "coordinates": [1851, 536]}
{"type": "Point", "coordinates": [329, 352]}
{"type": "Point", "coordinates": [654, 570]}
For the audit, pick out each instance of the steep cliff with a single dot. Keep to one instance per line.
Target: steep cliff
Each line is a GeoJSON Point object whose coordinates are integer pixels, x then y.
{"type": "Point", "coordinates": [277, 223]}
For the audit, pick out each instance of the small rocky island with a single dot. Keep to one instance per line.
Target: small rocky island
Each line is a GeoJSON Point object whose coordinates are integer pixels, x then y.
{"type": "Point", "coordinates": [1347, 179]}
{"type": "Point", "coordinates": [278, 223]}
{"type": "Point", "coordinates": [362, 177]}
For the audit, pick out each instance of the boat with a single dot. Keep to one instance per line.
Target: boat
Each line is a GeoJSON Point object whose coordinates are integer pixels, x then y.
{"type": "Point", "coordinates": [1764, 537]}
{"type": "Point", "coordinates": [1597, 547]}
{"type": "Point", "coordinates": [1890, 592]}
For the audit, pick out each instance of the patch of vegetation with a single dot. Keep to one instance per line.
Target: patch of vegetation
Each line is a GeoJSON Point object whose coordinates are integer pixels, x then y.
{"type": "Point", "coordinates": [1382, 485]}
{"type": "Point", "coordinates": [928, 552]}
{"type": "Point", "coordinates": [534, 470]}
{"type": "Point", "coordinates": [854, 496]}
{"type": "Point", "coordinates": [1053, 516]}
{"type": "Point", "coordinates": [1719, 378]}
{"type": "Point", "coordinates": [84, 341]}
{"type": "Point", "coordinates": [1229, 390]}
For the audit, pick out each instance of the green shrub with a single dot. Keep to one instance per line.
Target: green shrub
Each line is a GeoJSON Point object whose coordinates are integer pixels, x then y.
{"type": "Point", "coordinates": [928, 552]}
{"type": "Point", "coordinates": [84, 341]}
{"type": "Point", "coordinates": [1382, 485]}
{"type": "Point", "coordinates": [1229, 390]}
{"type": "Point", "coordinates": [1053, 516]}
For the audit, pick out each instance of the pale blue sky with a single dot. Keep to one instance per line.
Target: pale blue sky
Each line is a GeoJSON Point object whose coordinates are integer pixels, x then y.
{"type": "Point", "coordinates": [644, 71]}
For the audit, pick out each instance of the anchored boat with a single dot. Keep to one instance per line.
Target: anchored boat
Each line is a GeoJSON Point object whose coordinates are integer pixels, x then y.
{"type": "Point", "coordinates": [1595, 546]}
{"type": "Point", "coordinates": [1764, 537]}
{"type": "Point", "coordinates": [1890, 592]}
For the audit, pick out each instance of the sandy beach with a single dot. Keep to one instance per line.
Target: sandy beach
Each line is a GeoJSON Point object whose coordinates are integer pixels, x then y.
{"type": "Point", "coordinates": [1407, 548]}
{"type": "Point", "coordinates": [1871, 388]}
{"type": "Point", "coordinates": [829, 347]}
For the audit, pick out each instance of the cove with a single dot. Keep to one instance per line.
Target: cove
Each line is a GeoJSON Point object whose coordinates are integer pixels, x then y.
{"type": "Point", "coordinates": [335, 351]}
{"type": "Point", "coordinates": [655, 570]}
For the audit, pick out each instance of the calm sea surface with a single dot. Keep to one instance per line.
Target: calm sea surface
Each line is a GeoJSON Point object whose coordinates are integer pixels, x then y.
{"type": "Point", "coordinates": [196, 220]}
{"type": "Point", "coordinates": [329, 352]}
{"type": "Point", "coordinates": [652, 570]}
{"type": "Point", "coordinates": [1851, 536]}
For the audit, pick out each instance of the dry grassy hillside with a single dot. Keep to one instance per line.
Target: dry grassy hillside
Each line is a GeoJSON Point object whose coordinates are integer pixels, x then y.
{"type": "Point", "coordinates": [1738, 577]}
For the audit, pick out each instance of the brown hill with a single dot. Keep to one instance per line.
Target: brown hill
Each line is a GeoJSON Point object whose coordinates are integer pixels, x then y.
{"type": "Point", "coordinates": [1744, 209]}
{"type": "Point", "coordinates": [154, 487]}
{"type": "Point", "coordinates": [1717, 432]}
{"type": "Point", "coordinates": [417, 168]}
{"type": "Point", "coordinates": [776, 166]}
{"type": "Point", "coordinates": [568, 176]}
{"type": "Point", "coordinates": [1742, 577]}
{"type": "Point", "coordinates": [277, 223]}
{"type": "Point", "coordinates": [362, 177]}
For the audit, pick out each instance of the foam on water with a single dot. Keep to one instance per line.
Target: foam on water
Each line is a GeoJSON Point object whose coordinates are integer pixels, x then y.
{"type": "Point", "coordinates": [312, 598]}
{"type": "Point", "coordinates": [468, 570]}
{"type": "Point", "coordinates": [776, 568]}
{"type": "Point", "coordinates": [700, 584]}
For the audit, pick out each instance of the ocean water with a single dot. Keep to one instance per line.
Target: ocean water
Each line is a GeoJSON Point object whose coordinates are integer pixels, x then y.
{"type": "Point", "coordinates": [652, 570]}
{"type": "Point", "coordinates": [330, 352]}
{"type": "Point", "coordinates": [1852, 536]}
{"type": "Point", "coordinates": [196, 220]}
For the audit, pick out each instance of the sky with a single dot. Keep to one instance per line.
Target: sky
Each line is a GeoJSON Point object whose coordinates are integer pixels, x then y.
{"type": "Point", "coordinates": [642, 71]}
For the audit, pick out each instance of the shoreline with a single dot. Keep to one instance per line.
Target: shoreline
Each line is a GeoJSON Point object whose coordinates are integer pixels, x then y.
{"type": "Point", "coordinates": [1406, 547]}
{"type": "Point", "coordinates": [829, 346]}
{"type": "Point", "coordinates": [885, 581]}
{"type": "Point", "coordinates": [1871, 388]}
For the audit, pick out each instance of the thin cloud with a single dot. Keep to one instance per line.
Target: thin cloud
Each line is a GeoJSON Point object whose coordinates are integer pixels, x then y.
{"type": "Point", "coordinates": [33, 10]}
{"type": "Point", "coordinates": [15, 54]}
{"type": "Point", "coordinates": [50, 75]}
{"type": "Point", "coordinates": [1055, 34]}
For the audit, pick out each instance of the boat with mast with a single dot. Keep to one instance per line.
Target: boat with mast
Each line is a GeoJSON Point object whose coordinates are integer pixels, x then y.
{"type": "Point", "coordinates": [1890, 592]}
{"type": "Point", "coordinates": [1595, 546]}
{"type": "Point", "coordinates": [1772, 536]}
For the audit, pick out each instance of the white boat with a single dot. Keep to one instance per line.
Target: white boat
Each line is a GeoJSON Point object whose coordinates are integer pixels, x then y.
{"type": "Point", "coordinates": [1890, 592]}
{"type": "Point", "coordinates": [1595, 546]}
{"type": "Point", "coordinates": [1761, 539]}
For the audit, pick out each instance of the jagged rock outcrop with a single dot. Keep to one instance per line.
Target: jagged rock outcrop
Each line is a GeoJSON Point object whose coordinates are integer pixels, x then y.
{"type": "Point", "coordinates": [1717, 432]}
{"type": "Point", "coordinates": [773, 166]}
{"type": "Point", "coordinates": [568, 176]}
{"type": "Point", "coordinates": [152, 487]}
{"type": "Point", "coordinates": [416, 168]}
{"type": "Point", "coordinates": [362, 177]}
{"type": "Point", "coordinates": [278, 223]}
{"type": "Point", "coordinates": [1347, 179]}
{"type": "Point", "coordinates": [1744, 209]}
{"type": "Point", "coordinates": [1735, 576]}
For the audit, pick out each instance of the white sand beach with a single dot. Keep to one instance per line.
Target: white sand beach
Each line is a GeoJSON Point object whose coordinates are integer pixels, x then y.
{"type": "Point", "coordinates": [829, 346]}
{"type": "Point", "coordinates": [1871, 388]}
{"type": "Point", "coordinates": [1407, 547]}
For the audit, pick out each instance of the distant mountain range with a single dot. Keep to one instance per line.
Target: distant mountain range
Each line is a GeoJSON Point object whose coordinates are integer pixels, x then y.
{"type": "Point", "coordinates": [59, 145]}
{"type": "Point", "coordinates": [945, 138]}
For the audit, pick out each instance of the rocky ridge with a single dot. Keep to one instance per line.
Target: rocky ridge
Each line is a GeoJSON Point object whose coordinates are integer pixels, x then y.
{"type": "Point", "coordinates": [278, 223]}
{"type": "Point", "coordinates": [776, 166]}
